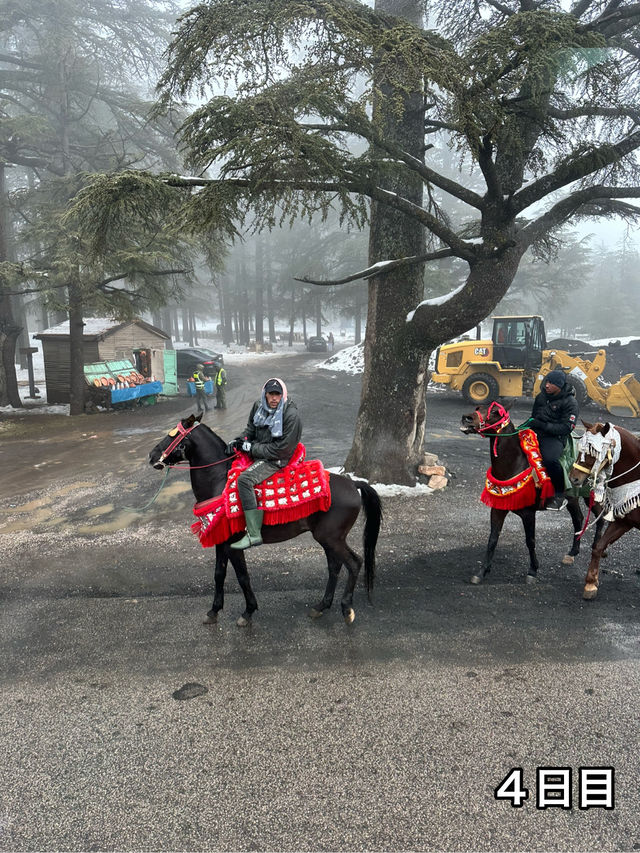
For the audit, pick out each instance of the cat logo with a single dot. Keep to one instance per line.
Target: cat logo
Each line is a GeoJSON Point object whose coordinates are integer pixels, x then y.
{"type": "Point", "coordinates": [481, 351]}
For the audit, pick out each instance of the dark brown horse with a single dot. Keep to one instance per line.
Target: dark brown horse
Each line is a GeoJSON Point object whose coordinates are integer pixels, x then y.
{"type": "Point", "coordinates": [508, 459]}
{"type": "Point", "coordinates": [205, 453]}
{"type": "Point", "coordinates": [612, 463]}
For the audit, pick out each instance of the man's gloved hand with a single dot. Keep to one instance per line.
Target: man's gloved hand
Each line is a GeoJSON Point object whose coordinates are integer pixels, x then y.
{"type": "Point", "coordinates": [536, 424]}
{"type": "Point", "coordinates": [246, 446]}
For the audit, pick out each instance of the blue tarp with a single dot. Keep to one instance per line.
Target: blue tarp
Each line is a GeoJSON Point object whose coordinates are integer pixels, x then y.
{"type": "Point", "coordinates": [120, 395]}
{"type": "Point", "coordinates": [191, 387]}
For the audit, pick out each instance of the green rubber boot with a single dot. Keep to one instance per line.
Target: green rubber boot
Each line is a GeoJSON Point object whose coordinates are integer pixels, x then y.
{"type": "Point", "coordinates": [253, 518]}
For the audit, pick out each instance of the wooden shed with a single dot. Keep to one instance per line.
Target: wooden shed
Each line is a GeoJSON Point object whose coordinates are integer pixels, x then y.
{"type": "Point", "coordinates": [105, 340]}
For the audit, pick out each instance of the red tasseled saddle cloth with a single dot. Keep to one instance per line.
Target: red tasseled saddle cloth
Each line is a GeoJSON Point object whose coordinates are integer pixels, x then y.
{"type": "Point", "coordinates": [296, 491]}
{"type": "Point", "coordinates": [520, 491]}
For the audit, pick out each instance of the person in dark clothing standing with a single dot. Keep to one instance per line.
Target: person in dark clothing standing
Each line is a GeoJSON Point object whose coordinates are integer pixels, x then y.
{"type": "Point", "coordinates": [553, 418]}
{"type": "Point", "coordinates": [270, 438]}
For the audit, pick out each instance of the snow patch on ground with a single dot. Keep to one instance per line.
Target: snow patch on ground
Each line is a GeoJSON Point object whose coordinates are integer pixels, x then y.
{"type": "Point", "coordinates": [386, 490]}
{"type": "Point", "coordinates": [348, 360]}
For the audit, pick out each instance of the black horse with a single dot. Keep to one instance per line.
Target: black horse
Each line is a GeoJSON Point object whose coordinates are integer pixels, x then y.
{"type": "Point", "coordinates": [205, 452]}
{"type": "Point", "coordinates": [508, 459]}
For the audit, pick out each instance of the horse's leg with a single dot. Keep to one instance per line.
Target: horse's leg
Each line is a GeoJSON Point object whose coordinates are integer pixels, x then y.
{"type": "Point", "coordinates": [528, 517]}
{"type": "Point", "coordinates": [574, 510]}
{"type": "Point", "coordinates": [613, 532]}
{"type": "Point", "coordinates": [240, 566]}
{"type": "Point", "coordinates": [600, 523]}
{"type": "Point", "coordinates": [497, 520]}
{"type": "Point", "coordinates": [219, 575]}
{"type": "Point", "coordinates": [334, 564]}
{"type": "Point", "coordinates": [353, 562]}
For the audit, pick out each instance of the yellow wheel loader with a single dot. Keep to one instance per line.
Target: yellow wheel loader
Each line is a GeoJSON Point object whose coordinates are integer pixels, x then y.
{"type": "Point", "coordinates": [516, 360]}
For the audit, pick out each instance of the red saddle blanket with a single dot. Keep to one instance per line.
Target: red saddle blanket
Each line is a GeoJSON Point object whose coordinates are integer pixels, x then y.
{"type": "Point", "coordinates": [521, 490]}
{"type": "Point", "coordinates": [296, 491]}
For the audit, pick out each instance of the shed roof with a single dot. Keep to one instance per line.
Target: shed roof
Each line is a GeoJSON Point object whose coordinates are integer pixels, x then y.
{"type": "Point", "coordinates": [98, 328]}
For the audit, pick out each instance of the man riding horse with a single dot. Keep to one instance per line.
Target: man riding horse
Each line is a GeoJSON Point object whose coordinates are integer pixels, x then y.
{"type": "Point", "coordinates": [554, 415]}
{"type": "Point", "coordinates": [270, 439]}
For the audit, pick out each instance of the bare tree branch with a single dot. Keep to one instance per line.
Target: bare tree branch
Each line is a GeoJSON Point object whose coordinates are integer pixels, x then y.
{"type": "Point", "coordinates": [580, 8]}
{"type": "Point", "coordinates": [604, 112]}
{"type": "Point", "coordinates": [574, 170]}
{"type": "Point", "coordinates": [380, 268]}
{"type": "Point", "coordinates": [566, 207]}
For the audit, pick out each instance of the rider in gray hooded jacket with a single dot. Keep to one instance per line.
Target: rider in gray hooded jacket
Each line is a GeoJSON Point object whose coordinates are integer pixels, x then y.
{"type": "Point", "coordinates": [271, 437]}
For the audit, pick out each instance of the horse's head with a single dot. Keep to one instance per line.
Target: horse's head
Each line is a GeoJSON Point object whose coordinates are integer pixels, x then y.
{"type": "Point", "coordinates": [171, 449]}
{"type": "Point", "coordinates": [485, 420]}
{"type": "Point", "coordinates": [592, 453]}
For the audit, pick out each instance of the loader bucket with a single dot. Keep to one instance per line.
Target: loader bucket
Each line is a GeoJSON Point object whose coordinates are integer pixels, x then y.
{"type": "Point", "coordinates": [623, 398]}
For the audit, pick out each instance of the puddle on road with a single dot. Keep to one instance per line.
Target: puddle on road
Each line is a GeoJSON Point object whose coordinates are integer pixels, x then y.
{"type": "Point", "coordinates": [136, 430]}
{"type": "Point", "coordinates": [99, 510]}
{"type": "Point", "coordinates": [34, 519]}
{"type": "Point", "coordinates": [122, 520]}
{"type": "Point", "coordinates": [42, 512]}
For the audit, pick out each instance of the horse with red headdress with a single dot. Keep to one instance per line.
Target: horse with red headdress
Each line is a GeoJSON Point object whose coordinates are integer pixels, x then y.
{"type": "Point", "coordinates": [516, 482]}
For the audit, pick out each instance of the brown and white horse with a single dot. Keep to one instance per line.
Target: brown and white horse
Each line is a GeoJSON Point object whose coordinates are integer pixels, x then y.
{"type": "Point", "coordinates": [610, 457]}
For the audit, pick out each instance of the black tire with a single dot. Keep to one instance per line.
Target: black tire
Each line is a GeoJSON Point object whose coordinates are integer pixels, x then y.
{"type": "Point", "coordinates": [480, 388]}
{"type": "Point", "coordinates": [582, 395]}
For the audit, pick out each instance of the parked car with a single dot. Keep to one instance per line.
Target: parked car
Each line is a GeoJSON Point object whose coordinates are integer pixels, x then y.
{"type": "Point", "coordinates": [316, 344]}
{"type": "Point", "coordinates": [188, 359]}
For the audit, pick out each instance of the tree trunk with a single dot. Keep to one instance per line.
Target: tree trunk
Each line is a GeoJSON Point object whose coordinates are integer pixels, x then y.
{"type": "Point", "coordinates": [358, 318]}
{"type": "Point", "coordinates": [9, 329]}
{"type": "Point", "coordinates": [390, 424]}
{"type": "Point", "coordinates": [269, 280]}
{"type": "Point", "coordinates": [185, 323]}
{"type": "Point", "coordinates": [292, 319]}
{"type": "Point", "coordinates": [77, 384]}
{"type": "Point", "coordinates": [260, 315]}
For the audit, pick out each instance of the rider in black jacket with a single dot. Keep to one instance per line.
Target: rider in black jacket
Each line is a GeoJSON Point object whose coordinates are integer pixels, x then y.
{"type": "Point", "coordinates": [554, 415]}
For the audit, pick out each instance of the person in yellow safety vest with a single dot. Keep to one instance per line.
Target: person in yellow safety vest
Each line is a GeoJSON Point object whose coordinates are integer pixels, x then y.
{"type": "Point", "coordinates": [199, 379]}
{"type": "Point", "coordinates": [220, 382]}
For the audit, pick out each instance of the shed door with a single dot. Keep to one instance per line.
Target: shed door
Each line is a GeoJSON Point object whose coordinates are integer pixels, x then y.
{"type": "Point", "coordinates": [170, 386]}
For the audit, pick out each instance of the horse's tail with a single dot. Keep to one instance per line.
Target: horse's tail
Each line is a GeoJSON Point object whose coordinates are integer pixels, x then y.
{"type": "Point", "coordinates": [373, 521]}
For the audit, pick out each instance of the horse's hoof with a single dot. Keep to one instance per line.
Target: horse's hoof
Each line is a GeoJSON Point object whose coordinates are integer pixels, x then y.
{"type": "Point", "coordinates": [567, 560]}
{"type": "Point", "coordinates": [590, 591]}
{"type": "Point", "coordinates": [315, 614]}
{"type": "Point", "coordinates": [210, 619]}
{"type": "Point", "coordinates": [476, 579]}
{"type": "Point", "coordinates": [350, 616]}
{"type": "Point", "coordinates": [243, 621]}
{"type": "Point", "coordinates": [532, 578]}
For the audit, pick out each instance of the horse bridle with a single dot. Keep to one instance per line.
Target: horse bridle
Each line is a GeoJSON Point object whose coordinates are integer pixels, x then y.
{"type": "Point", "coordinates": [498, 425]}
{"type": "Point", "coordinates": [180, 433]}
{"type": "Point", "coordinates": [603, 458]}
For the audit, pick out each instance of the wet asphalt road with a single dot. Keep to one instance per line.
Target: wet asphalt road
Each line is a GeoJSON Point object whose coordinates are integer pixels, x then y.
{"type": "Point", "coordinates": [390, 735]}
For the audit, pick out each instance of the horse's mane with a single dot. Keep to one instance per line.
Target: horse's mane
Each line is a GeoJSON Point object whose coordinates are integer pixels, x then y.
{"type": "Point", "coordinates": [221, 443]}
{"type": "Point", "coordinates": [630, 436]}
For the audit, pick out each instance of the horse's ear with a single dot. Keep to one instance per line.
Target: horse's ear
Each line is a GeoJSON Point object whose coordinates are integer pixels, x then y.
{"type": "Point", "coordinates": [189, 422]}
{"type": "Point", "coordinates": [605, 428]}
{"type": "Point", "coordinates": [198, 417]}
{"type": "Point", "coordinates": [508, 402]}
